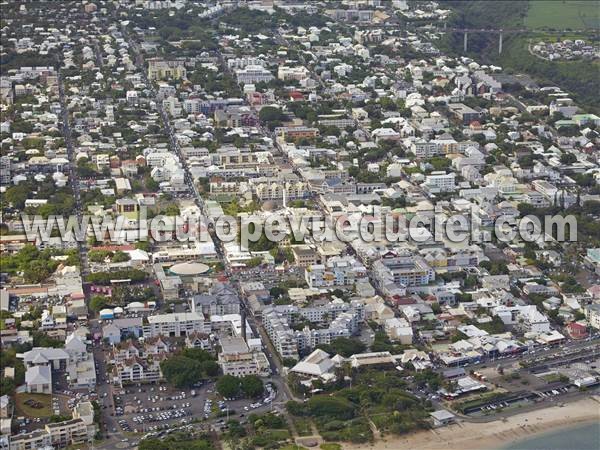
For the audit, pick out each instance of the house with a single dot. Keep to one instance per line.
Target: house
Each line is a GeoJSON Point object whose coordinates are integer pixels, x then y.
{"type": "Point", "coordinates": [577, 330]}
{"type": "Point", "coordinates": [237, 359]}
{"type": "Point", "coordinates": [4, 407]}
{"type": "Point", "coordinates": [305, 255]}
{"type": "Point", "coordinates": [442, 417]}
{"type": "Point", "coordinates": [222, 299]}
{"type": "Point", "coordinates": [38, 380]}
{"type": "Point", "coordinates": [379, 359]}
{"type": "Point", "coordinates": [464, 113]}
{"type": "Point", "coordinates": [198, 340]}
{"type": "Point", "coordinates": [592, 314]}
{"type": "Point", "coordinates": [399, 330]}
{"type": "Point", "coordinates": [317, 365]}
{"type": "Point", "coordinates": [111, 333]}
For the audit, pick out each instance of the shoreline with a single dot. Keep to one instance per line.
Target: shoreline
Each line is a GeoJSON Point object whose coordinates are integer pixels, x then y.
{"type": "Point", "coordinates": [493, 435]}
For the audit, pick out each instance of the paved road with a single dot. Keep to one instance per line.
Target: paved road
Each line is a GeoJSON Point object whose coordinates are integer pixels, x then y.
{"type": "Point", "coordinates": [72, 172]}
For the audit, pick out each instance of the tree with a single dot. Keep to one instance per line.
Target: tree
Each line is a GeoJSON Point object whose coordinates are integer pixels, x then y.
{"type": "Point", "coordinates": [235, 430]}
{"type": "Point", "coordinates": [339, 408]}
{"type": "Point", "coordinates": [171, 210]}
{"type": "Point", "coordinates": [210, 368]}
{"type": "Point", "coordinates": [191, 366]}
{"type": "Point", "coordinates": [143, 245]}
{"type": "Point", "coordinates": [344, 346]}
{"type": "Point", "coordinates": [98, 302]}
{"type": "Point", "coordinates": [568, 158]}
{"type": "Point", "coordinates": [181, 372]}
{"type": "Point", "coordinates": [252, 386]}
{"type": "Point", "coordinates": [120, 256]}
{"type": "Point", "coordinates": [151, 185]}
{"type": "Point", "coordinates": [277, 292]}
{"type": "Point", "coordinates": [270, 116]}
{"type": "Point", "coordinates": [104, 278]}
{"type": "Point", "coordinates": [16, 195]}
{"type": "Point", "coordinates": [228, 386]}
{"type": "Point", "coordinates": [254, 262]}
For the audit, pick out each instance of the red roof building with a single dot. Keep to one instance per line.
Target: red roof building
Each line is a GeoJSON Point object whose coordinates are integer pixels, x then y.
{"type": "Point", "coordinates": [577, 330]}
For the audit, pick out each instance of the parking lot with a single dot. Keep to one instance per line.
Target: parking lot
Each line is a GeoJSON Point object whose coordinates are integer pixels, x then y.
{"type": "Point", "coordinates": [151, 408]}
{"type": "Point", "coordinates": [140, 408]}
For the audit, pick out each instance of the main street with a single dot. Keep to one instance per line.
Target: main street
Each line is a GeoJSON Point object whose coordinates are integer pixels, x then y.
{"type": "Point", "coordinates": [275, 363]}
{"type": "Point", "coordinates": [73, 175]}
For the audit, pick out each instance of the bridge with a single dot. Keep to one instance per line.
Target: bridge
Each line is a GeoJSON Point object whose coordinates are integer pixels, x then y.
{"type": "Point", "coordinates": [466, 31]}
{"type": "Point", "coordinates": [499, 31]}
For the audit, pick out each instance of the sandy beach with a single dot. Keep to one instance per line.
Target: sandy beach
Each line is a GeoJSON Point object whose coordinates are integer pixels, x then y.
{"type": "Point", "coordinates": [493, 435]}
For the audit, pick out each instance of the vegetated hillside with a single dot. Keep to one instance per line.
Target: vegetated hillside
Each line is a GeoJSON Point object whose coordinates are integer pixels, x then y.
{"type": "Point", "coordinates": [483, 14]}
{"type": "Point", "coordinates": [564, 14]}
{"type": "Point", "coordinates": [581, 78]}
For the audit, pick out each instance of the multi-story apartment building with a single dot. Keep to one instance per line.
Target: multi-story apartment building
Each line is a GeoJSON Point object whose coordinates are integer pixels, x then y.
{"type": "Point", "coordinates": [422, 148]}
{"type": "Point", "coordinates": [31, 441]}
{"type": "Point", "coordinates": [337, 271]}
{"type": "Point", "coordinates": [67, 433]}
{"type": "Point", "coordinates": [464, 113]}
{"type": "Point", "coordinates": [71, 432]}
{"type": "Point", "coordinates": [402, 268]}
{"type": "Point", "coordinates": [286, 73]}
{"type": "Point", "coordinates": [253, 74]}
{"type": "Point", "coordinates": [293, 133]}
{"type": "Point", "coordinates": [278, 190]}
{"type": "Point", "coordinates": [343, 319]}
{"type": "Point", "coordinates": [281, 335]}
{"type": "Point", "coordinates": [242, 63]}
{"type": "Point", "coordinates": [305, 256]}
{"type": "Point", "coordinates": [339, 122]}
{"type": "Point", "coordinates": [136, 370]}
{"type": "Point", "coordinates": [440, 181]}
{"type": "Point", "coordinates": [238, 360]}
{"type": "Point", "coordinates": [222, 299]}
{"type": "Point", "coordinates": [194, 152]}
{"type": "Point", "coordinates": [5, 168]}
{"type": "Point", "coordinates": [160, 69]}
{"type": "Point", "coordinates": [592, 313]}
{"type": "Point", "coordinates": [175, 324]}
{"type": "Point", "coordinates": [235, 116]}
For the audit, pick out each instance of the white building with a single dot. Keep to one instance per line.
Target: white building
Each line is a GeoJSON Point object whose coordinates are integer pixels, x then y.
{"type": "Point", "coordinates": [237, 359]}
{"type": "Point", "coordinates": [253, 74]}
{"type": "Point", "coordinates": [440, 181]}
{"type": "Point", "coordinates": [399, 330]}
{"type": "Point", "coordinates": [337, 271]}
{"type": "Point", "coordinates": [175, 324]}
{"type": "Point", "coordinates": [286, 73]}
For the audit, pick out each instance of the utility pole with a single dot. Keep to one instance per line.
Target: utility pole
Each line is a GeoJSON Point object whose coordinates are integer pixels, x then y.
{"type": "Point", "coordinates": [500, 44]}
{"type": "Point", "coordinates": [465, 42]}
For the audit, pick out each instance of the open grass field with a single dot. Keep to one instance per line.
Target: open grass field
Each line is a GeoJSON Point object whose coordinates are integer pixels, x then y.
{"type": "Point", "coordinates": [563, 14]}
{"type": "Point", "coordinates": [23, 409]}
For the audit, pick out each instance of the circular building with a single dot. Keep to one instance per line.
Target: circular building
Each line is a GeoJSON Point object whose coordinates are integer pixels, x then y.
{"type": "Point", "coordinates": [189, 269]}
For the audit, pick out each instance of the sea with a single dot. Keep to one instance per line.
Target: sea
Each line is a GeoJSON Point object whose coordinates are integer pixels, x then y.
{"type": "Point", "coordinates": [585, 437]}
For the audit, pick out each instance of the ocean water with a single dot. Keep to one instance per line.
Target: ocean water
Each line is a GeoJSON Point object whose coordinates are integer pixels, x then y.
{"type": "Point", "coordinates": [586, 437]}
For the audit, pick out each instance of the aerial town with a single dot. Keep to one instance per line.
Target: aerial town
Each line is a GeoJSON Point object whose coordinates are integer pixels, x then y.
{"type": "Point", "coordinates": [148, 147]}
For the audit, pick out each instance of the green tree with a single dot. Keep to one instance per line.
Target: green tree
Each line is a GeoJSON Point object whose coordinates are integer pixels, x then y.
{"type": "Point", "coordinates": [252, 386]}
{"type": "Point", "coordinates": [344, 346]}
{"type": "Point", "coordinates": [98, 302]}
{"type": "Point", "coordinates": [120, 256]}
{"type": "Point", "coordinates": [181, 372]}
{"type": "Point", "coordinates": [228, 386]}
